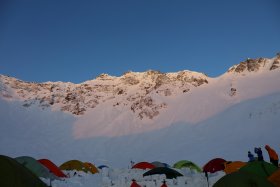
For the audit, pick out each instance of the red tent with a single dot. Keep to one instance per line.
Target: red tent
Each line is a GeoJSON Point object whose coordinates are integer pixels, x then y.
{"type": "Point", "coordinates": [52, 167]}
{"type": "Point", "coordinates": [134, 184]}
{"type": "Point", "coordinates": [143, 165]}
{"type": "Point", "coordinates": [164, 184]}
{"type": "Point", "coordinates": [214, 165]}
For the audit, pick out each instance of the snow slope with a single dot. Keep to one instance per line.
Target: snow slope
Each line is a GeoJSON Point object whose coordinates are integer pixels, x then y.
{"type": "Point", "coordinates": [144, 116]}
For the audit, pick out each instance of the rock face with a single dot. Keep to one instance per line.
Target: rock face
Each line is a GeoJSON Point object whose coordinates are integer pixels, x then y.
{"type": "Point", "coordinates": [134, 90]}
{"type": "Point", "coordinates": [276, 63]}
{"type": "Point", "coordinates": [232, 91]}
{"type": "Point", "coordinates": [254, 65]}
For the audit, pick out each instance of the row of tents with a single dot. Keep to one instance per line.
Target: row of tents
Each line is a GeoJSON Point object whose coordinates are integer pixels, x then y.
{"type": "Point", "coordinates": [212, 166]}
{"type": "Point", "coordinates": [26, 171]}
{"type": "Point", "coordinates": [238, 173]}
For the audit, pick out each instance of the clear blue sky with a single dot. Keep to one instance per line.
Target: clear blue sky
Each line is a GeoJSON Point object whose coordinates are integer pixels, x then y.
{"type": "Point", "coordinates": [76, 40]}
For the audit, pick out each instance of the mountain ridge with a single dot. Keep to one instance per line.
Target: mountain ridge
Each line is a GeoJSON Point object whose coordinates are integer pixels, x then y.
{"type": "Point", "coordinates": [134, 86]}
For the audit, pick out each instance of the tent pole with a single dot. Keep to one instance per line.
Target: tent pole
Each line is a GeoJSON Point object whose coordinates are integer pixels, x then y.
{"type": "Point", "coordinates": [206, 175]}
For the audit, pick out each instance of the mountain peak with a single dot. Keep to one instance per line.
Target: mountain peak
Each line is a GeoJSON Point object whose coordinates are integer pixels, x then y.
{"type": "Point", "coordinates": [104, 76]}
{"type": "Point", "coordinates": [256, 65]}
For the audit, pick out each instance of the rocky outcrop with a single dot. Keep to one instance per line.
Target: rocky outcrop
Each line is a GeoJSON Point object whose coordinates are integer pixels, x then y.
{"type": "Point", "coordinates": [146, 107]}
{"type": "Point", "coordinates": [232, 92]}
{"type": "Point", "coordinates": [254, 65]}
{"type": "Point", "coordinates": [276, 63]}
{"type": "Point", "coordinates": [249, 65]}
{"type": "Point", "coordinates": [160, 80]}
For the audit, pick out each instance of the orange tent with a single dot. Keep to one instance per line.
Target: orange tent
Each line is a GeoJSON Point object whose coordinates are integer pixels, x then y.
{"type": "Point", "coordinates": [91, 167]}
{"type": "Point", "coordinates": [231, 167]}
{"type": "Point", "coordinates": [271, 152]}
{"type": "Point", "coordinates": [52, 167]}
{"type": "Point", "coordinates": [275, 178]}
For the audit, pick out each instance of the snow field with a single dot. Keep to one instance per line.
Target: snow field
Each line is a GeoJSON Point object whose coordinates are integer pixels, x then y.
{"type": "Point", "coordinates": [109, 177]}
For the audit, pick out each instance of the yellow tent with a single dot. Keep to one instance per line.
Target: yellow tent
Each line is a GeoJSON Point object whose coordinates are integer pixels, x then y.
{"type": "Point", "coordinates": [74, 165]}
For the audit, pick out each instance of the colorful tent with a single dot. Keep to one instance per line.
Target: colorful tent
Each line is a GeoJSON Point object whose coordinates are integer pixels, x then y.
{"type": "Point", "coordinates": [91, 167]}
{"type": "Point", "coordinates": [74, 165]}
{"type": "Point", "coordinates": [170, 173]}
{"type": "Point", "coordinates": [13, 174]}
{"type": "Point", "coordinates": [187, 164]}
{"type": "Point", "coordinates": [214, 165]}
{"type": "Point", "coordinates": [275, 178]}
{"type": "Point", "coordinates": [242, 179]}
{"type": "Point", "coordinates": [36, 167]}
{"type": "Point", "coordinates": [143, 165]}
{"type": "Point", "coordinates": [260, 168]}
{"type": "Point", "coordinates": [52, 167]}
{"type": "Point", "coordinates": [231, 167]}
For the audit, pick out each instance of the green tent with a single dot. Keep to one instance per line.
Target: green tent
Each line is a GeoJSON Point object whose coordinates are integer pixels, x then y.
{"type": "Point", "coordinates": [186, 164]}
{"type": "Point", "coordinates": [74, 165]}
{"type": "Point", "coordinates": [260, 168]}
{"type": "Point", "coordinates": [13, 174]}
{"type": "Point", "coordinates": [242, 179]}
{"type": "Point", "coordinates": [36, 167]}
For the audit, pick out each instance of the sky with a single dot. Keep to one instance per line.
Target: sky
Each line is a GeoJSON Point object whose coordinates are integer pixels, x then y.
{"type": "Point", "coordinates": [75, 41]}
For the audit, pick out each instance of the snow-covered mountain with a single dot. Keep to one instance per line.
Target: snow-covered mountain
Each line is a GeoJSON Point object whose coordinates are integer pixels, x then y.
{"type": "Point", "coordinates": [144, 116]}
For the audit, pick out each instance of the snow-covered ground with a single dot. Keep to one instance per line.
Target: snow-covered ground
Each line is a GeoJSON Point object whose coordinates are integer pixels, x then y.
{"type": "Point", "coordinates": [229, 135]}
{"type": "Point", "coordinates": [123, 178]}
